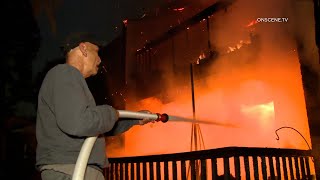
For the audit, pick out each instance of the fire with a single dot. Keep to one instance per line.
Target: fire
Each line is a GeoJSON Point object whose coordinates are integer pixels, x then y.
{"type": "Point", "coordinates": [255, 100]}
{"type": "Point", "coordinates": [263, 112]}
{"type": "Point", "coordinates": [125, 22]}
{"type": "Point", "coordinates": [238, 45]}
{"type": "Point", "coordinates": [252, 23]}
{"type": "Point", "coordinates": [258, 89]}
{"type": "Point", "coordinates": [201, 57]}
{"type": "Point", "coordinates": [259, 95]}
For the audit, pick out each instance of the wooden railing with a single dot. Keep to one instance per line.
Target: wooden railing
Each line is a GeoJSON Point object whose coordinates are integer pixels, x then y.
{"type": "Point", "coordinates": [223, 163]}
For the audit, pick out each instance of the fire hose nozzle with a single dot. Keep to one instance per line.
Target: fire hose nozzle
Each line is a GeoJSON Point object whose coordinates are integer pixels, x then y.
{"type": "Point", "coordinates": [162, 117]}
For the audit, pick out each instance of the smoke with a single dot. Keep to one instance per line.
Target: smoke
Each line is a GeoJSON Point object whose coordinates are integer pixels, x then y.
{"type": "Point", "coordinates": [257, 87]}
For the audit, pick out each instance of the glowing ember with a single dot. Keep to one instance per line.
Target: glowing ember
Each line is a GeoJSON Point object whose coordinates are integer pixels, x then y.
{"type": "Point", "coordinates": [238, 45]}
{"type": "Point", "coordinates": [202, 56]}
{"type": "Point", "coordinates": [125, 22]}
{"type": "Point", "coordinates": [252, 23]}
{"type": "Point", "coordinates": [179, 9]}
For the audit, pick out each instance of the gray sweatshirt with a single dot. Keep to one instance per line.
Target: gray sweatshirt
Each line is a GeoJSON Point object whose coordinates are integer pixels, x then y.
{"type": "Point", "coordinates": [67, 114]}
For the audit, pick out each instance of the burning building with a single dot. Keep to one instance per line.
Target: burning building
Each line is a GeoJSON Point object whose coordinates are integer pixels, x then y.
{"type": "Point", "coordinates": [244, 72]}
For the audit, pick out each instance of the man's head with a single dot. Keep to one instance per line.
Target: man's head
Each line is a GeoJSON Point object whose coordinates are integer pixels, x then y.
{"type": "Point", "coordinates": [81, 50]}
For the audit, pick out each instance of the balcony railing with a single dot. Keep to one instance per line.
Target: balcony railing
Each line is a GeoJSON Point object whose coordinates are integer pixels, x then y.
{"type": "Point", "coordinates": [223, 163]}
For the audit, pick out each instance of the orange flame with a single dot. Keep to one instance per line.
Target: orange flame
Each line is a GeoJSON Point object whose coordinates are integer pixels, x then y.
{"type": "Point", "coordinates": [257, 101]}
{"type": "Point", "coordinates": [238, 46]}
{"type": "Point", "coordinates": [252, 23]}
{"type": "Point", "coordinates": [179, 9]}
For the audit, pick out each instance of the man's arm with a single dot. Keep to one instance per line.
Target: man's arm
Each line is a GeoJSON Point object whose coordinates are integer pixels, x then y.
{"type": "Point", "coordinates": [74, 114]}
{"type": "Point", "coordinates": [122, 126]}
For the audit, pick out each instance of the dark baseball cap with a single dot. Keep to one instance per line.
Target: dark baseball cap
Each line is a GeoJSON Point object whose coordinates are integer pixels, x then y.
{"type": "Point", "coordinates": [74, 39]}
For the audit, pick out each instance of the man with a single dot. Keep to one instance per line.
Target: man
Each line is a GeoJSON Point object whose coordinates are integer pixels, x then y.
{"type": "Point", "coordinates": [67, 114]}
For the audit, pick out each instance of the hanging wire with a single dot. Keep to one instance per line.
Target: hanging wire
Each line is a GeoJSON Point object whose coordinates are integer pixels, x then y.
{"type": "Point", "coordinates": [288, 127]}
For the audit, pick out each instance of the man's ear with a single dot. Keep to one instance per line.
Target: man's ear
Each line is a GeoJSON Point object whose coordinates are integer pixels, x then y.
{"type": "Point", "coordinates": [83, 49]}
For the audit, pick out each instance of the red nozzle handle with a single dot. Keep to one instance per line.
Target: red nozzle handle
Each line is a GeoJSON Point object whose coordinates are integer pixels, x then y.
{"type": "Point", "coordinates": [162, 117]}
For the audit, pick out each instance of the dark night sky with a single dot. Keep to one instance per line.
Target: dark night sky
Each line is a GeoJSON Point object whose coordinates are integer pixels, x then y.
{"type": "Point", "coordinates": [101, 17]}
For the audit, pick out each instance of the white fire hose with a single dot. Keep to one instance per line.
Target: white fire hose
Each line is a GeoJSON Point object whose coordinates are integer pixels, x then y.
{"type": "Point", "coordinates": [82, 161]}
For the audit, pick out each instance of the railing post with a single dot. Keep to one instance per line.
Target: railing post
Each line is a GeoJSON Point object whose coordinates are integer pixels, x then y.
{"type": "Point", "coordinates": [138, 175]}
{"type": "Point", "coordinates": [272, 174]}
{"type": "Point", "coordinates": [237, 168]}
{"type": "Point", "coordinates": [247, 168]}
{"type": "Point", "coordinates": [158, 168]}
{"type": "Point", "coordinates": [264, 167]}
{"type": "Point", "coordinates": [308, 167]}
{"type": "Point", "coordinates": [174, 170]}
{"type": "Point", "coordinates": [144, 171]}
{"type": "Point", "coordinates": [278, 167]}
{"type": "Point", "coordinates": [132, 170]}
{"type": "Point", "coordinates": [166, 170]}
{"type": "Point", "coordinates": [126, 171]}
{"type": "Point", "coordinates": [303, 169]}
{"type": "Point", "coordinates": [183, 170]}
{"type": "Point", "coordinates": [203, 169]}
{"type": "Point", "coordinates": [226, 168]}
{"type": "Point", "coordinates": [284, 165]}
{"type": "Point", "coordinates": [291, 168]}
{"type": "Point", "coordinates": [151, 170]}
{"type": "Point", "coordinates": [296, 163]}
{"type": "Point", "coordinates": [214, 168]}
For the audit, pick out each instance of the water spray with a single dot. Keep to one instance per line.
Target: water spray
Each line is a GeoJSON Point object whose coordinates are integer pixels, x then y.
{"type": "Point", "coordinates": [82, 161]}
{"type": "Point", "coordinates": [198, 121]}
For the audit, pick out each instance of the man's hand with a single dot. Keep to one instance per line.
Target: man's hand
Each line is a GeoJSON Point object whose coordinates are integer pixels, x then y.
{"type": "Point", "coordinates": [145, 120]}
